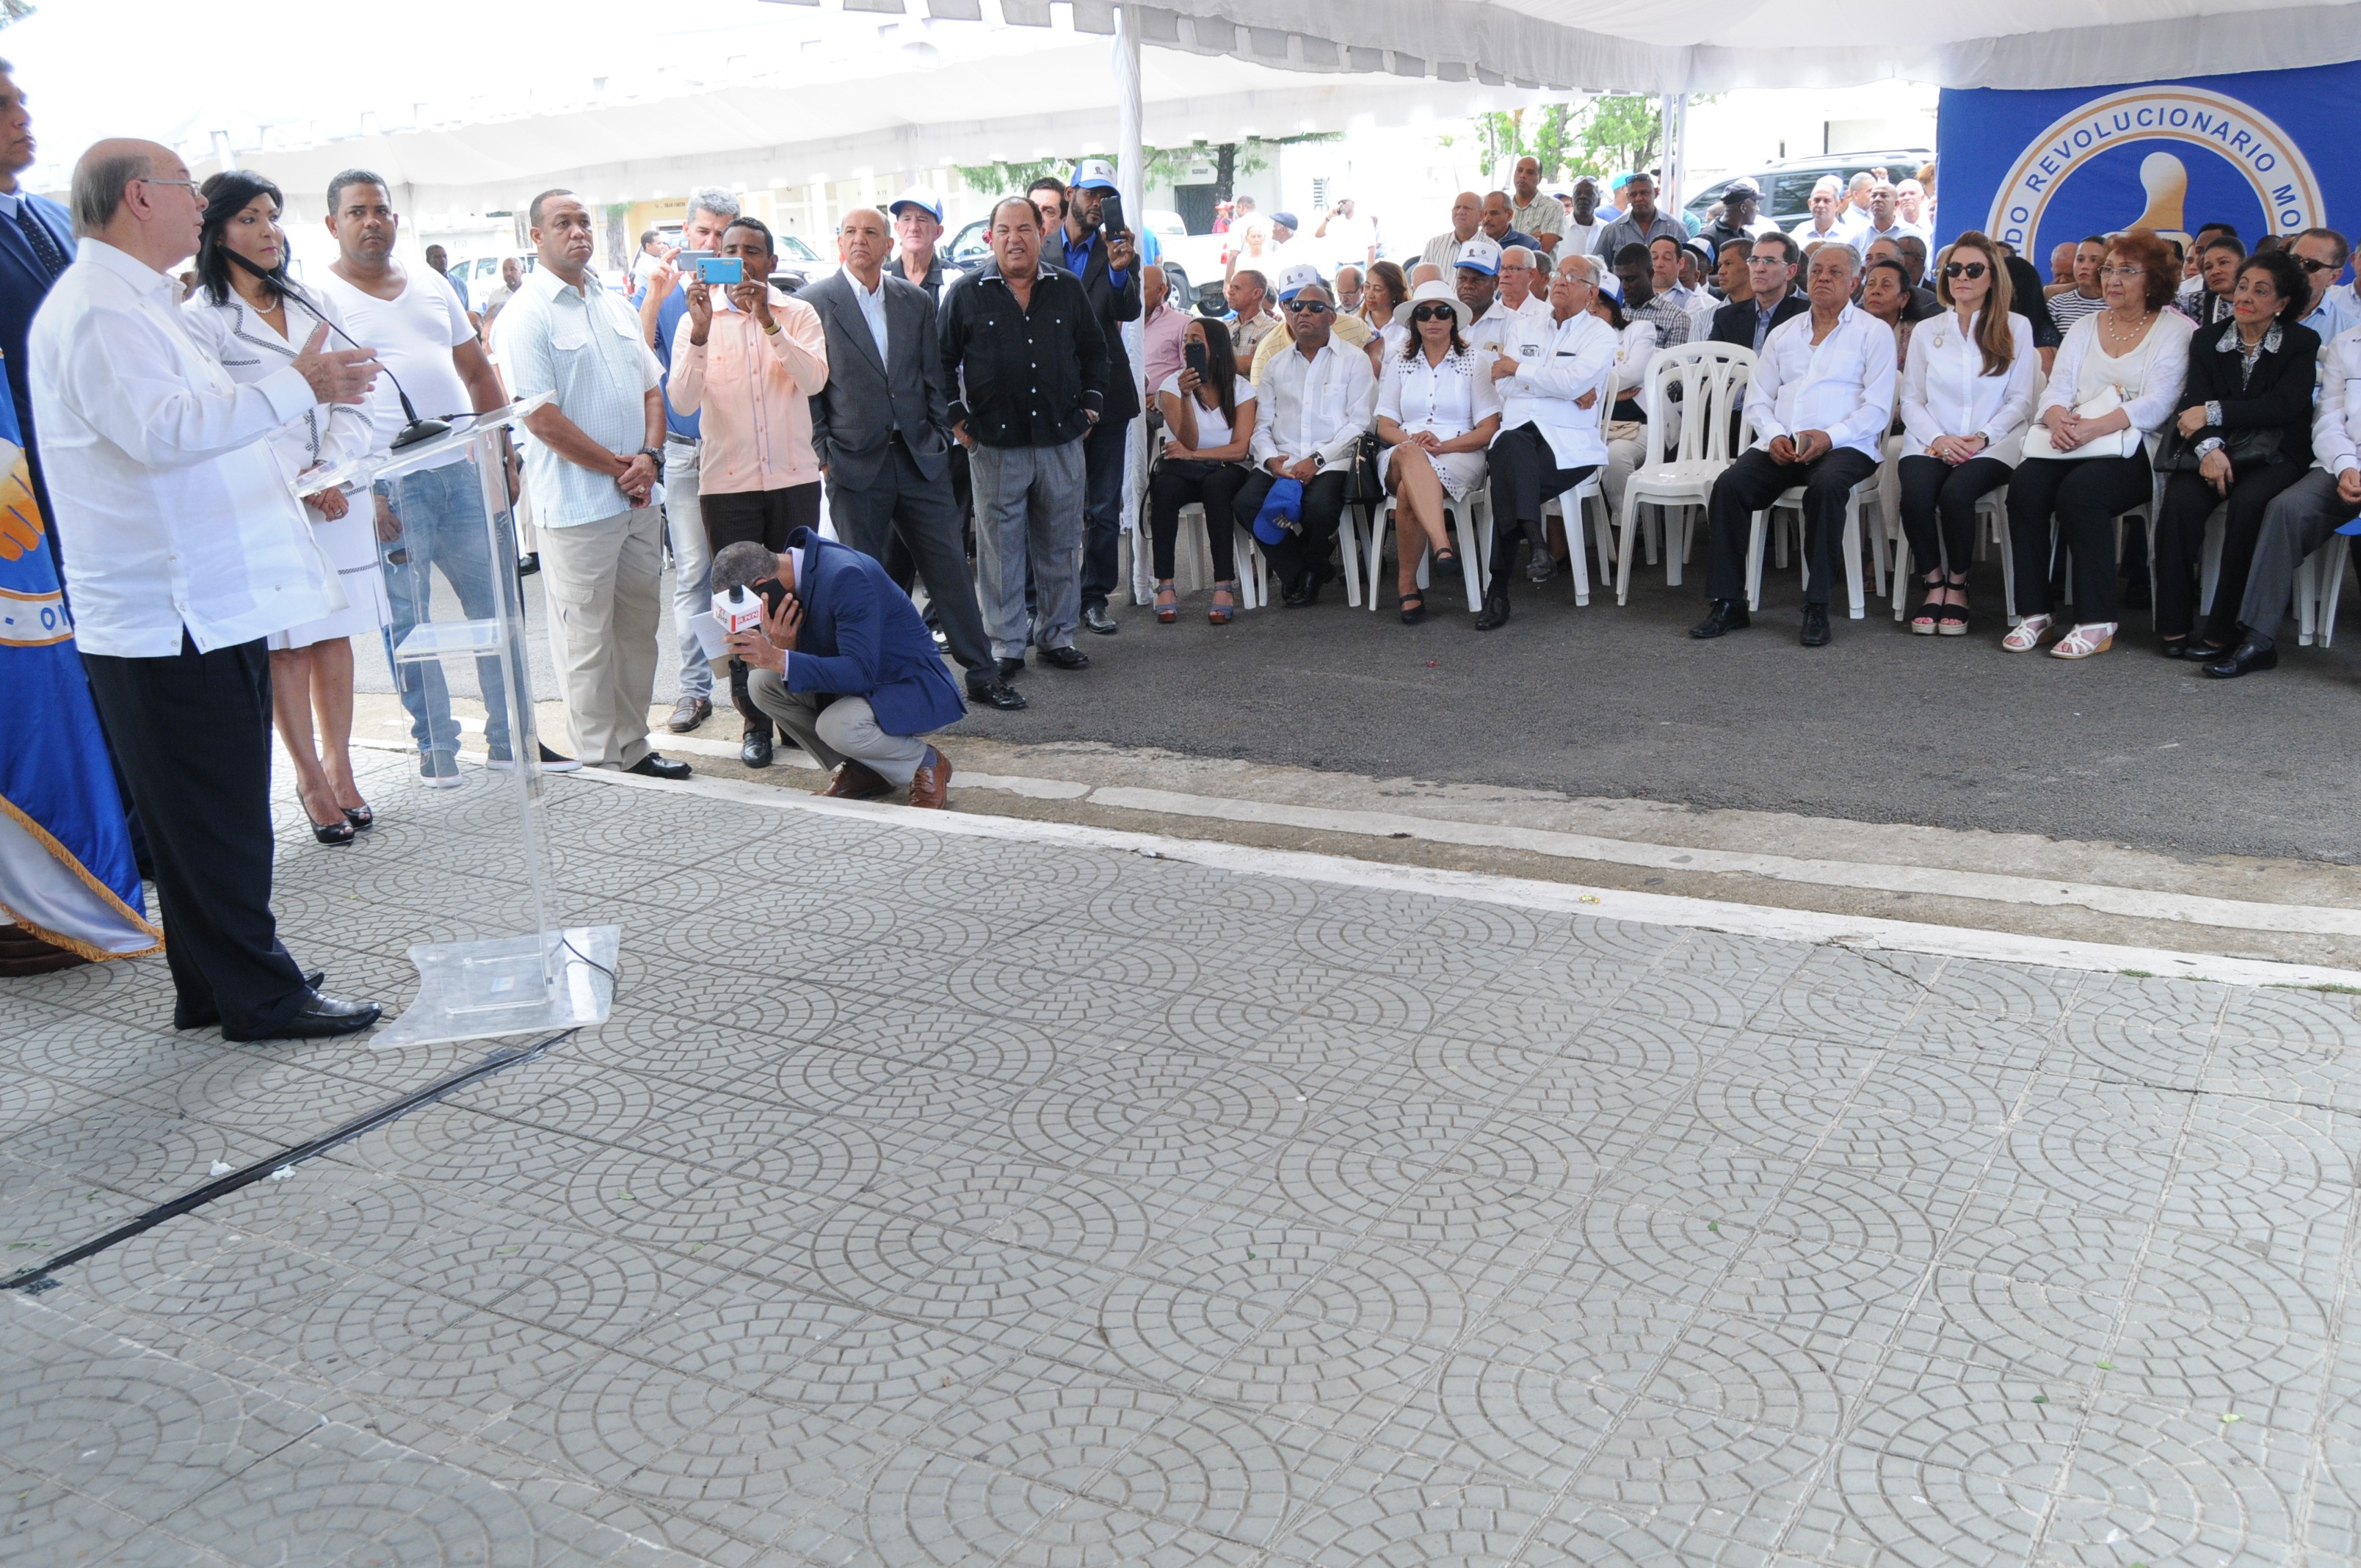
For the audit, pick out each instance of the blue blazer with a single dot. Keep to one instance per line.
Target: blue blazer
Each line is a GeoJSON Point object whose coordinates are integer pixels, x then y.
{"type": "Point", "coordinates": [23, 286]}
{"type": "Point", "coordinates": [862, 637]}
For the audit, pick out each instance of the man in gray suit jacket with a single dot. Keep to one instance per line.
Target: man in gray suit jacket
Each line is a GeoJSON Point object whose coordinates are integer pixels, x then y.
{"type": "Point", "coordinates": [881, 429]}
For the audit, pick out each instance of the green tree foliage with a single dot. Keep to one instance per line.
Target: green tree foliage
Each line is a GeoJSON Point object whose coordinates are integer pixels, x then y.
{"type": "Point", "coordinates": [1602, 136]}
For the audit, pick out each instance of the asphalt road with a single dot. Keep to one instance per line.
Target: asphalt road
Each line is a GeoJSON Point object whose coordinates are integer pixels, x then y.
{"type": "Point", "coordinates": [1881, 726]}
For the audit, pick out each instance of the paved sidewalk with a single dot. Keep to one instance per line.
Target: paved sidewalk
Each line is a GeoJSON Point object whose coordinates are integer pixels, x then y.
{"type": "Point", "coordinates": [940, 1200]}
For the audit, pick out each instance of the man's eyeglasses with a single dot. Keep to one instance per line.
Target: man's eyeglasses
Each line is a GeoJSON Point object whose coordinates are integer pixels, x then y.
{"type": "Point", "coordinates": [1431, 313]}
{"type": "Point", "coordinates": [2310, 264]}
{"type": "Point", "coordinates": [1967, 269]}
{"type": "Point", "coordinates": [1307, 307]}
{"type": "Point", "coordinates": [184, 184]}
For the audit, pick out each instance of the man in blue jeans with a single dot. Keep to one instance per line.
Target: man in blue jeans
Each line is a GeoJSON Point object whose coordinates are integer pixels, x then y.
{"type": "Point", "coordinates": [437, 522]}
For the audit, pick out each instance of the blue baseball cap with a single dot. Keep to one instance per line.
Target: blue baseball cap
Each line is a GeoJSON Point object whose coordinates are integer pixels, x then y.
{"type": "Point", "coordinates": [1093, 174]}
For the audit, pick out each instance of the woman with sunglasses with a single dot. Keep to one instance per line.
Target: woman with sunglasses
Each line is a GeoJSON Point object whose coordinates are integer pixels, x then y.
{"type": "Point", "coordinates": [1436, 413]}
{"type": "Point", "coordinates": [1967, 396]}
{"type": "Point", "coordinates": [256, 322]}
{"type": "Point", "coordinates": [2245, 421]}
{"type": "Point", "coordinates": [2117, 380]}
{"type": "Point", "coordinates": [1209, 419]}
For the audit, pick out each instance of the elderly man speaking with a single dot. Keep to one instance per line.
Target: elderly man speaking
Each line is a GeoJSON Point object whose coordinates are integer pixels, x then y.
{"type": "Point", "coordinates": [189, 549]}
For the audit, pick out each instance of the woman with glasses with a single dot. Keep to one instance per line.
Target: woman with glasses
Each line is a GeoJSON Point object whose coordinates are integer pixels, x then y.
{"type": "Point", "coordinates": [1966, 396]}
{"type": "Point", "coordinates": [256, 322]}
{"type": "Point", "coordinates": [1208, 418]}
{"type": "Point", "coordinates": [2088, 462]}
{"type": "Point", "coordinates": [2245, 423]}
{"type": "Point", "coordinates": [1436, 413]}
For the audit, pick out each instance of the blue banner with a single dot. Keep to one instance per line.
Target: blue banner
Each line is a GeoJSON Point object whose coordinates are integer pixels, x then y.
{"type": "Point", "coordinates": [2039, 169]}
{"type": "Point", "coordinates": [66, 868]}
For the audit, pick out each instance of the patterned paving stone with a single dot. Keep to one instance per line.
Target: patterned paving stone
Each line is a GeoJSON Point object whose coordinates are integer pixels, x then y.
{"type": "Point", "coordinates": [1042, 1205]}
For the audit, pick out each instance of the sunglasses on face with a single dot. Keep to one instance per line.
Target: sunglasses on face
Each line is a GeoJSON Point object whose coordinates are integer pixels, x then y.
{"type": "Point", "coordinates": [1963, 270]}
{"type": "Point", "coordinates": [1307, 307]}
{"type": "Point", "coordinates": [2310, 265]}
{"type": "Point", "coordinates": [1431, 313]}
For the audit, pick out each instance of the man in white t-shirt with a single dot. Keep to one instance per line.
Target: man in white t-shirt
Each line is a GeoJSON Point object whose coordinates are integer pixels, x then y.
{"type": "Point", "coordinates": [434, 519]}
{"type": "Point", "coordinates": [1579, 234]}
{"type": "Point", "coordinates": [644, 264]}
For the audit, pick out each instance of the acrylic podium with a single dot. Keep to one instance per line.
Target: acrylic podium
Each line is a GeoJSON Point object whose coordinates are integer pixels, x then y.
{"type": "Point", "coordinates": [525, 973]}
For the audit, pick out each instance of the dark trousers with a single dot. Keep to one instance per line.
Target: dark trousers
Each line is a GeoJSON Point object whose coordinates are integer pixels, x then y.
{"type": "Point", "coordinates": [2298, 523]}
{"type": "Point", "coordinates": [1749, 485]}
{"type": "Point", "coordinates": [901, 510]}
{"type": "Point", "coordinates": [1524, 474]}
{"type": "Point", "coordinates": [1216, 484]}
{"type": "Point", "coordinates": [1103, 463]}
{"type": "Point", "coordinates": [191, 734]}
{"type": "Point", "coordinates": [1301, 558]}
{"type": "Point", "coordinates": [763, 517]}
{"type": "Point", "coordinates": [2086, 498]}
{"type": "Point", "coordinates": [1938, 508]}
{"type": "Point", "coordinates": [902, 566]}
{"type": "Point", "coordinates": [760, 517]}
{"type": "Point", "coordinates": [2189, 500]}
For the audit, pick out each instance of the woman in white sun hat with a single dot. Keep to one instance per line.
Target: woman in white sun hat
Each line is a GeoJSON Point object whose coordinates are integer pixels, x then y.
{"type": "Point", "coordinates": [1436, 413]}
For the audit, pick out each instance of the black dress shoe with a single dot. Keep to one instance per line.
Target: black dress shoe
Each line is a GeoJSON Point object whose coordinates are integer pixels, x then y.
{"type": "Point", "coordinates": [655, 765]}
{"type": "Point", "coordinates": [2244, 659]}
{"type": "Point", "coordinates": [1496, 610]}
{"type": "Point", "coordinates": [317, 1016]}
{"type": "Point", "coordinates": [1816, 626]}
{"type": "Point", "coordinates": [1725, 615]}
{"type": "Point", "coordinates": [1300, 597]}
{"type": "Point", "coordinates": [755, 750]}
{"type": "Point", "coordinates": [312, 976]}
{"type": "Point", "coordinates": [1068, 658]}
{"type": "Point", "coordinates": [997, 693]}
{"type": "Point", "coordinates": [2204, 652]}
{"type": "Point", "coordinates": [1011, 668]}
{"type": "Point", "coordinates": [1096, 618]}
{"type": "Point", "coordinates": [187, 1018]}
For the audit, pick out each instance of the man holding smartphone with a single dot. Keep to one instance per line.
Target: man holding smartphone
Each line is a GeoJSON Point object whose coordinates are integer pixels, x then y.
{"type": "Point", "coordinates": [1101, 251]}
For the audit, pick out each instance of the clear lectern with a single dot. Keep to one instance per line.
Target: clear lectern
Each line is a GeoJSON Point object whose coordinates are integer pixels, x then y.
{"type": "Point", "coordinates": [525, 973]}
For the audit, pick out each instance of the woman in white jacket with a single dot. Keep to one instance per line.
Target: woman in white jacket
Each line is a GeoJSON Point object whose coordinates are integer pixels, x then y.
{"type": "Point", "coordinates": [1967, 396]}
{"type": "Point", "coordinates": [255, 321]}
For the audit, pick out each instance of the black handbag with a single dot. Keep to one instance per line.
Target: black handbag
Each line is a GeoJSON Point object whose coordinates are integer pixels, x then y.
{"type": "Point", "coordinates": [1361, 486]}
{"type": "Point", "coordinates": [2248, 446]}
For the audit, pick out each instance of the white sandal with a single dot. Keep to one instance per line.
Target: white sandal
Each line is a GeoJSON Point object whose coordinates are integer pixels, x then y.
{"type": "Point", "coordinates": [2026, 635]}
{"type": "Point", "coordinates": [2085, 640]}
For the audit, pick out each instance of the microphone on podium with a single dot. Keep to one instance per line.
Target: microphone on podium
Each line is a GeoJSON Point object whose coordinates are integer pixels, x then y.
{"type": "Point", "coordinates": [411, 435]}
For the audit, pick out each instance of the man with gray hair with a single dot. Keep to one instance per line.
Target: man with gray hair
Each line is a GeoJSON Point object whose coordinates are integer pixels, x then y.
{"type": "Point", "coordinates": [711, 210]}
{"type": "Point", "coordinates": [189, 550]}
{"type": "Point", "coordinates": [1826, 223]}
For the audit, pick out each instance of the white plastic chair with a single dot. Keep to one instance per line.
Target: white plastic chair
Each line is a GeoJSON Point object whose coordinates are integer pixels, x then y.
{"type": "Point", "coordinates": [1471, 524]}
{"type": "Point", "coordinates": [2319, 583]}
{"type": "Point", "coordinates": [1193, 551]}
{"type": "Point", "coordinates": [1587, 499]}
{"type": "Point", "coordinates": [1685, 449]}
{"type": "Point", "coordinates": [1865, 491]}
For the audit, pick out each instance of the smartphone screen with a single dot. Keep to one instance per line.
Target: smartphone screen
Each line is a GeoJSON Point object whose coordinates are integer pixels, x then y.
{"type": "Point", "coordinates": [774, 594]}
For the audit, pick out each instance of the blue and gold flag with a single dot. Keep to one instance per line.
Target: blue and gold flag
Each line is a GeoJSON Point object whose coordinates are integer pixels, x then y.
{"type": "Point", "coordinates": [66, 869]}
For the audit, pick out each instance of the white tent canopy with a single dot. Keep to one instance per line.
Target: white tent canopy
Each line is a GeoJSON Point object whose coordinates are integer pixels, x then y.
{"type": "Point", "coordinates": [468, 106]}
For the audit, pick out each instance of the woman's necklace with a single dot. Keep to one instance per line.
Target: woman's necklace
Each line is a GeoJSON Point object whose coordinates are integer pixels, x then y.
{"type": "Point", "coordinates": [2126, 336]}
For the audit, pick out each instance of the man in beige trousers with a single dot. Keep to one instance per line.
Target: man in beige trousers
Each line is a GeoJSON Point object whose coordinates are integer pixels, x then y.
{"type": "Point", "coordinates": [596, 451]}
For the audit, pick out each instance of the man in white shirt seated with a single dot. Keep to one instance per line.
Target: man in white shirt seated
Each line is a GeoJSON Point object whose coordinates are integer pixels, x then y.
{"type": "Point", "coordinates": [1820, 400]}
{"type": "Point", "coordinates": [1885, 220]}
{"type": "Point", "coordinates": [1523, 287]}
{"type": "Point", "coordinates": [1551, 374]}
{"type": "Point", "coordinates": [1314, 400]}
{"type": "Point", "coordinates": [187, 548]}
{"type": "Point", "coordinates": [1827, 219]}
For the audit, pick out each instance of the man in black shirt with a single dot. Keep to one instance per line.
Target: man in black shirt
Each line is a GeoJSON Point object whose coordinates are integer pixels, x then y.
{"type": "Point", "coordinates": [1025, 353]}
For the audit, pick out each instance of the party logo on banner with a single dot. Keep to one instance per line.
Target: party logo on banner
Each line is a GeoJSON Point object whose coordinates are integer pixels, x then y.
{"type": "Point", "coordinates": [2038, 168]}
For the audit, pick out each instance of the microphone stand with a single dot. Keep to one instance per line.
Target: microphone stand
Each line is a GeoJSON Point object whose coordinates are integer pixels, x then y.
{"type": "Point", "coordinates": [411, 435]}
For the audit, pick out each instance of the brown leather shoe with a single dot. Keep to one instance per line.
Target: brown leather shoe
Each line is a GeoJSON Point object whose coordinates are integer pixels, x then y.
{"type": "Point", "coordinates": [853, 781]}
{"type": "Point", "coordinates": [932, 782]}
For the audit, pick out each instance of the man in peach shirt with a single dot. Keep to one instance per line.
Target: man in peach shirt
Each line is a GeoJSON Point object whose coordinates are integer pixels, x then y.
{"type": "Point", "coordinates": [747, 365]}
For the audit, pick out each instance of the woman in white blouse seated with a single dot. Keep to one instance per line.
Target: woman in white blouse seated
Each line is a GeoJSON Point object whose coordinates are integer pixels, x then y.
{"type": "Point", "coordinates": [256, 322]}
{"type": "Point", "coordinates": [2117, 377]}
{"type": "Point", "coordinates": [1636, 348]}
{"type": "Point", "coordinates": [1384, 294]}
{"type": "Point", "coordinates": [1209, 422]}
{"type": "Point", "coordinates": [1436, 413]}
{"type": "Point", "coordinates": [1967, 396]}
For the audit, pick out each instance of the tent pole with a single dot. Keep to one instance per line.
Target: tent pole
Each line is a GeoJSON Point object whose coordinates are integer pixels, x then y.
{"type": "Point", "coordinates": [1676, 113]}
{"type": "Point", "coordinates": [1131, 176]}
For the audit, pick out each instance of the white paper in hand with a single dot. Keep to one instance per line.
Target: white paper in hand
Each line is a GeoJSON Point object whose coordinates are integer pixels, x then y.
{"type": "Point", "coordinates": [710, 639]}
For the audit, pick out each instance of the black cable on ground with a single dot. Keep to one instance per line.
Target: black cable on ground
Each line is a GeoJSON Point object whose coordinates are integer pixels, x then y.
{"type": "Point", "coordinates": [37, 1278]}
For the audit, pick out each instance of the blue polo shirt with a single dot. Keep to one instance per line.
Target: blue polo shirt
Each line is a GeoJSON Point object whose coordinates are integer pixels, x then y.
{"type": "Point", "coordinates": [1079, 256]}
{"type": "Point", "coordinates": [668, 314]}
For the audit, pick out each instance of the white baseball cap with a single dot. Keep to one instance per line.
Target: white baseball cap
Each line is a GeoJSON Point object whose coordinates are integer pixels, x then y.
{"type": "Point", "coordinates": [1298, 277]}
{"type": "Point", "coordinates": [918, 196]}
{"type": "Point", "coordinates": [1094, 173]}
{"type": "Point", "coordinates": [1480, 254]}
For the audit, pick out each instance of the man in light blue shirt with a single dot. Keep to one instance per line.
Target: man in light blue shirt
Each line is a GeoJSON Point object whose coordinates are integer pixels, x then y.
{"type": "Point", "coordinates": [2322, 253]}
{"type": "Point", "coordinates": [596, 449]}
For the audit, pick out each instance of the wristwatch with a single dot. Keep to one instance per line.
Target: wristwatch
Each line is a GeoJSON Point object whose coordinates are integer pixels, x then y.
{"type": "Point", "coordinates": [1318, 462]}
{"type": "Point", "coordinates": [651, 454]}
